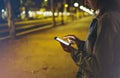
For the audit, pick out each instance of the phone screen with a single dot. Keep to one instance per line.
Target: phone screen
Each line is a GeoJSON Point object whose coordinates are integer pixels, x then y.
{"type": "Point", "coordinates": [62, 41]}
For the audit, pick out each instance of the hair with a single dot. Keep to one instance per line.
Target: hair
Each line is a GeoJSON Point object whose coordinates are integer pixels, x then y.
{"type": "Point", "coordinates": [105, 5]}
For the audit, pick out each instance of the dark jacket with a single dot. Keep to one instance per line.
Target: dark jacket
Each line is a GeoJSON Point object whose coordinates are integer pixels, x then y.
{"type": "Point", "coordinates": [100, 57]}
{"type": "Point", "coordinates": [84, 54]}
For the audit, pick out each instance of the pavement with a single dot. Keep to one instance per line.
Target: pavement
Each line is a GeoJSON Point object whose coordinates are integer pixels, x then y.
{"type": "Point", "coordinates": [38, 55]}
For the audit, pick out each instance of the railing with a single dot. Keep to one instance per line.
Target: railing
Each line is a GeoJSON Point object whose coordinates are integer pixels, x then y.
{"type": "Point", "coordinates": [25, 27]}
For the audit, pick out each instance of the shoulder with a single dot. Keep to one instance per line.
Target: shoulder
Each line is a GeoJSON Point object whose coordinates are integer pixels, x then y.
{"type": "Point", "coordinates": [110, 21]}
{"type": "Point", "coordinates": [110, 16]}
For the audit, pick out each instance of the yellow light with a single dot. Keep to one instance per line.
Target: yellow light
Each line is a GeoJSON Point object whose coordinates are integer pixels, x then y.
{"type": "Point", "coordinates": [66, 5]}
{"type": "Point", "coordinates": [46, 0]}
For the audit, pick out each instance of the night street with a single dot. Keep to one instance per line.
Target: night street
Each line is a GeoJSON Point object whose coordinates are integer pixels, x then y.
{"type": "Point", "coordinates": [38, 55]}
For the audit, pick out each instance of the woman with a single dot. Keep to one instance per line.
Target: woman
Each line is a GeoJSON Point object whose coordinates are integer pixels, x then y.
{"type": "Point", "coordinates": [99, 55]}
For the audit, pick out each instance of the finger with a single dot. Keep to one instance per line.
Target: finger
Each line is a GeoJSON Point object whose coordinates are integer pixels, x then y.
{"type": "Point", "coordinates": [63, 45]}
{"type": "Point", "coordinates": [71, 41]}
{"type": "Point", "coordinates": [69, 37]}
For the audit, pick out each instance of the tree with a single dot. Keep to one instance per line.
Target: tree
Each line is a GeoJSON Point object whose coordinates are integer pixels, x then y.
{"type": "Point", "coordinates": [10, 19]}
{"type": "Point", "coordinates": [44, 3]}
{"type": "Point", "coordinates": [27, 5]}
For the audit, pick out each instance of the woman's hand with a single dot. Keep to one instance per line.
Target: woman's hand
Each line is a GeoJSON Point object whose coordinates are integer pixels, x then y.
{"type": "Point", "coordinates": [72, 39]}
{"type": "Point", "coordinates": [66, 47]}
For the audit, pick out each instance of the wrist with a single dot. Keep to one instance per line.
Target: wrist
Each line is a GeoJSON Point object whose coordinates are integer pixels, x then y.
{"type": "Point", "coordinates": [81, 45]}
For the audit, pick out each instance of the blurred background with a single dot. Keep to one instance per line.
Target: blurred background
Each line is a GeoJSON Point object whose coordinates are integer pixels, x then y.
{"type": "Point", "coordinates": [27, 31]}
{"type": "Point", "coordinates": [17, 16]}
{"type": "Point", "coordinates": [36, 9]}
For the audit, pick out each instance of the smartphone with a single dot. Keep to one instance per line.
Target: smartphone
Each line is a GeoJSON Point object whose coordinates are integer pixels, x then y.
{"type": "Point", "coordinates": [61, 40]}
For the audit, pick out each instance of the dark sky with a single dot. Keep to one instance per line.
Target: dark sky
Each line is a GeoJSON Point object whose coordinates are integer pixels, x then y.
{"type": "Point", "coordinates": [1, 4]}
{"type": "Point", "coordinates": [16, 3]}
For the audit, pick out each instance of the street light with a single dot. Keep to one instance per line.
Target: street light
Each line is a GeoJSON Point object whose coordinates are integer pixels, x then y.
{"type": "Point", "coordinates": [77, 11]}
{"type": "Point", "coordinates": [86, 10]}
{"type": "Point", "coordinates": [76, 4]}
{"type": "Point", "coordinates": [2, 10]}
{"type": "Point", "coordinates": [45, 0]}
{"type": "Point", "coordinates": [66, 5]}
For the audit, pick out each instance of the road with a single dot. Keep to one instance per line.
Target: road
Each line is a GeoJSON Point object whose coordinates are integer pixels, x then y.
{"type": "Point", "coordinates": [38, 55]}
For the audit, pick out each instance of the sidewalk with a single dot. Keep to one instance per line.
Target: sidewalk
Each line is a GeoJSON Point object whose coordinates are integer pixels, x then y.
{"type": "Point", "coordinates": [38, 55]}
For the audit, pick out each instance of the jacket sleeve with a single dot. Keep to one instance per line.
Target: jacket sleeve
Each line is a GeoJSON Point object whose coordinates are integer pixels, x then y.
{"type": "Point", "coordinates": [83, 56]}
{"type": "Point", "coordinates": [85, 61]}
{"type": "Point", "coordinates": [77, 54]}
